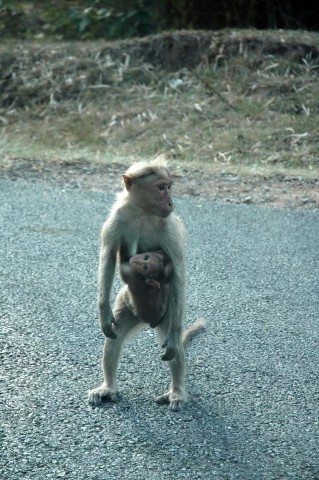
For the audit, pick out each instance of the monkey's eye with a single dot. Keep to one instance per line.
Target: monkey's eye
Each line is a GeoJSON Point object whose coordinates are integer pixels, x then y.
{"type": "Point", "coordinates": [146, 257]}
{"type": "Point", "coordinates": [145, 267]}
{"type": "Point", "coordinates": [169, 186]}
{"type": "Point", "coordinates": [161, 187]}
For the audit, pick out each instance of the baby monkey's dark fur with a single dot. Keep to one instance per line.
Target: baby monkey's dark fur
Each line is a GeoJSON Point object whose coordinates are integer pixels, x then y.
{"type": "Point", "coordinates": [148, 286]}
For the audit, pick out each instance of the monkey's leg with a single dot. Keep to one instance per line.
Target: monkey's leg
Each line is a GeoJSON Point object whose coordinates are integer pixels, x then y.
{"type": "Point", "coordinates": [127, 325]}
{"type": "Point", "coordinates": [176, 396]}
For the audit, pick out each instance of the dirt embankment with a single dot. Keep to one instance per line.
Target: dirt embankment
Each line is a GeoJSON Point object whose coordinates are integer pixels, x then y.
{"type": "Point", "coordinates": [224, 99]}
{"type": "Point", "coordinates": [34, 73]}
{"type": "Point", "coordinates": [278, 191]}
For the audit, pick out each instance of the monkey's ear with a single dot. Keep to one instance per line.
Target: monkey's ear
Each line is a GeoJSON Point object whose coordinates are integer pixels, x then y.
{"type": "Point", "coordinates": [168, 270]}
{"type": "Point", "coordinates": [128, 182]}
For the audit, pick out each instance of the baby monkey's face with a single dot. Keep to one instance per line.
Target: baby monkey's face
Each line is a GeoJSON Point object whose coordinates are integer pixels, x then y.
{"type": "Point", "coordinates": [149, 264]}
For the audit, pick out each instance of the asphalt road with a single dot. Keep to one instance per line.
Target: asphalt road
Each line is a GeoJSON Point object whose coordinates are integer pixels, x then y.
{"type": "Point", "coordinates": [252, 272]}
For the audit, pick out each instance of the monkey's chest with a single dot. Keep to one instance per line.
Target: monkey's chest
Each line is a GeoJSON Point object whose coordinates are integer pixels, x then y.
{"type": "Point", "coordinates": [141, 242]}
{"type": "Point", "coordinates": [148, 242]}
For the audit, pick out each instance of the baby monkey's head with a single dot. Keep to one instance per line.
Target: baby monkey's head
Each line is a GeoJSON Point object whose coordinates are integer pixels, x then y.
{"type": "Point", "coordinates": [149, 264]}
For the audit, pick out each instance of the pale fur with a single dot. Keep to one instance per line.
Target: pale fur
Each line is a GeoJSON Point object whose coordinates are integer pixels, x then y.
{"type": "Point", "coordinates": [192, 330]}
{"type": "Point", "coordinates": [139, 169]}
{"type": "Point", "coordinates": [128, 225]}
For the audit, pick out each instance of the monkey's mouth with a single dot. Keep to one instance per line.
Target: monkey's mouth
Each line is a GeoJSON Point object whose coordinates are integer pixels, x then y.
{"type": "Point", "coordinates": [165, 213]}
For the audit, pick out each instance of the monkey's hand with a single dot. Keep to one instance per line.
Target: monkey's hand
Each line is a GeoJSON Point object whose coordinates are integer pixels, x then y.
{"type": "Point", "coordinates": [107, 326]}
{"type": "Point", "coordinates": [106, 320]}
{"type": "Point", "coordinates": [150, 282]}
{"type": "Point", "coordinates": [171, 346]}
{"type": "Point", "coordinates": [107, 329]}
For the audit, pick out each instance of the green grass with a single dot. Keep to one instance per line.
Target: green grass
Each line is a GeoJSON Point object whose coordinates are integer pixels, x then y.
{"type": "Point", "coordinates": [248, 112]}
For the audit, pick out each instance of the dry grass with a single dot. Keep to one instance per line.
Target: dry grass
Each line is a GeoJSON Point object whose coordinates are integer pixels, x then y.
{"type": "Point", "coordinates": [231, 101]}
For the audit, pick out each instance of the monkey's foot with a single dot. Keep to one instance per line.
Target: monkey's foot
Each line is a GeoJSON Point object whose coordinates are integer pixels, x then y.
{"type": "Point", "coordinates": [175, 400]}
{"type": "Point", "coordinates": [101, 394]}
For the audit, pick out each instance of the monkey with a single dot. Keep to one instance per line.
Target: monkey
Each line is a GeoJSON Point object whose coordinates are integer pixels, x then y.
{"type": "Point", "coordinates": [142, 220]}
{"type": "Point", "coordinates": [148, 286]}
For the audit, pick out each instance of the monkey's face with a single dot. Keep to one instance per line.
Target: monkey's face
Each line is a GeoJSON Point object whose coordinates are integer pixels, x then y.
{"type": "Point", "coordinates": [149, 264]}
{"type": "Point", "coordinates": [153, 195]}
{"type": "Point", "coordinates": [163, 187]}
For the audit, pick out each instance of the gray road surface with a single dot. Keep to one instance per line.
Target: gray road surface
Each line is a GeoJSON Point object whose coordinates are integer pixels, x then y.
{"type": "Point", "coordinates": [252, 272]}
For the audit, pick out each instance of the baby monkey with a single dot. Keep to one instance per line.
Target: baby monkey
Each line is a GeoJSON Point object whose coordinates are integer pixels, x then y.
{"type": "Point", "coordinates": [148, 286]}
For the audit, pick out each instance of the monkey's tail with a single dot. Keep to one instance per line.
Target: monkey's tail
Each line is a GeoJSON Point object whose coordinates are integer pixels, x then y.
{"type": "Point", "coordinates": [192, 330]}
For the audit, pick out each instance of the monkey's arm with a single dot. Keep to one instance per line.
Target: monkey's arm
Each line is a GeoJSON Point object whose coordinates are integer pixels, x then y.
{"type": "Point", "coordinates": [109, 247]}
{"type": "Point", "coordinates": [128, 274]}
{"type": "Point", "coordinates": [174, 314]}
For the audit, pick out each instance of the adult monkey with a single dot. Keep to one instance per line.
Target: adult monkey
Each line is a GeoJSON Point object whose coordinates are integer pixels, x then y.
{"type": "Point", "coordinates": [141, 220]}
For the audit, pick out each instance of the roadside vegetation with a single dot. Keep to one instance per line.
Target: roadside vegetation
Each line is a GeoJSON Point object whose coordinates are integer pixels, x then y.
{"type": "Point", "coordinates": [241, 101]}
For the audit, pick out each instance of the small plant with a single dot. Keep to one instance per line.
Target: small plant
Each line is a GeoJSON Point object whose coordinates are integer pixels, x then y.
{"type": "Point", "coordinates": [94, 22]}
{"type": "Point", "coordinates": [12, 21]}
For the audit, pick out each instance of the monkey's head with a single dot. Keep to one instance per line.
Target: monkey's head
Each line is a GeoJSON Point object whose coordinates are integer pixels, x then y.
{"type": "Point", "coordinates": [149, 264]}
{"type": "Point", "coordinates": [149, 187]}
